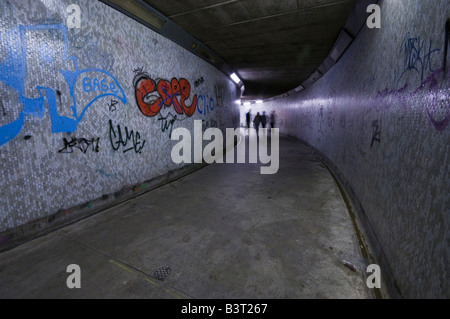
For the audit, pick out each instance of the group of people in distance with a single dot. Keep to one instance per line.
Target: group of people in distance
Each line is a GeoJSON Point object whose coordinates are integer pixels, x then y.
{"type": "Point", "coordinates": [260, 119]}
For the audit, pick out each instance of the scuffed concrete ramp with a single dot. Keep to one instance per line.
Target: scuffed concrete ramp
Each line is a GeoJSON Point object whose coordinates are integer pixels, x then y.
{"type": "Point", "coordinates": [225, 231]}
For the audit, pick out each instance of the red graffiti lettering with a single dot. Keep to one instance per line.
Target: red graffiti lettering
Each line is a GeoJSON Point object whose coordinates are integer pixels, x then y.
{"type": "Point", "coordinates": [150, 97]}
{"type": "Point", "coordinates": [185, 92]}
{"type": "Point", "coordinates": [148, 104]}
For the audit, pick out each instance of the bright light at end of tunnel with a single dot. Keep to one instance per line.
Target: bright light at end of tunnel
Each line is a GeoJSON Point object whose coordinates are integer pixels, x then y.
{"type": "Point", "coordinates": [235, 78]}
{"type": "Point", "coordinates": [247, 103]}
{"type": "Point", "coordinates": [259, 102]}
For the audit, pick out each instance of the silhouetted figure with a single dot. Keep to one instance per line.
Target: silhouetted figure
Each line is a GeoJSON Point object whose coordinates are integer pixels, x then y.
{"type": "Point", "coordinates": [263, 120]}
{"type": "Point", "coordinates": [248, 118]}
{"type": "Point", "coordinates": [256, 122]}
{"type": "Point", "coordinates": [272, 119]}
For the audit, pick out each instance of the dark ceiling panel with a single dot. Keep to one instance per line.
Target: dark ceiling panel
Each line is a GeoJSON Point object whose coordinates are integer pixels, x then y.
{"type": "Point", "coordinates": [176, 7]}
{"type": "Point", "coordinates": [273, 45]}
{"type": "Point", "coordinates": [234, 13]}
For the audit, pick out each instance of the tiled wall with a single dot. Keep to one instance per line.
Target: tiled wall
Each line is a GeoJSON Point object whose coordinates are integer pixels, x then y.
{"type": "Point", "coordinates": [80, 120]}
{"type": "Point", "coordinates": [381, 117]}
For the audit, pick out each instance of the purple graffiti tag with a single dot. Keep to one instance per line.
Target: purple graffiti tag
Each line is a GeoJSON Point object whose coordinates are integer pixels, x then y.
{"type": "Point", "coordinates": [437, 99]}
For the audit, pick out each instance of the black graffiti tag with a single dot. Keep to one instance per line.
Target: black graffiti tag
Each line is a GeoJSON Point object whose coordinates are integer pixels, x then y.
{"type": "Point", "coordinates": [376, 132]}
{"type": "Point", "coordinates": [130, 138]}
{"type": "Point", "coordinates": [80, 143]}
{"type": "Point", "coordinates": [112, 105]}
{"type": "Point", "coordinates": [167, 124]}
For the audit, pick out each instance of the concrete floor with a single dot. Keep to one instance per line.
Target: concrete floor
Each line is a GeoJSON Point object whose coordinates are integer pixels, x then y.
{"type": "Point", "coordinates": [225, 231]}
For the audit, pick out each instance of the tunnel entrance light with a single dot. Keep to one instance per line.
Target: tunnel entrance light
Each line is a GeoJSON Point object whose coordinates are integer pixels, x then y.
{"type": "Point", "coordinates": [235, 78]}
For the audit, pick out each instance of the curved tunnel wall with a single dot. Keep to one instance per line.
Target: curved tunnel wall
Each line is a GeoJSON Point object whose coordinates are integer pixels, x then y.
{"type": "Point", "coordinates": [86, 111]}
{"type": "Point", "coordinates": [380, 117]}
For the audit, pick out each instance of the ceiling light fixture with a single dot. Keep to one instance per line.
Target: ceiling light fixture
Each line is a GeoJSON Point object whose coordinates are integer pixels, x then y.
{"type": "Point", "coordinates": [235, 78]}
{"type": "Point", "coordinates": [140, 11]}
{"type": "Point", "coordinates": [342, 43]}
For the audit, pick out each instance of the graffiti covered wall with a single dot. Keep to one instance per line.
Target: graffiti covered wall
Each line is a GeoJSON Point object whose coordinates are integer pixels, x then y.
{"type": "Point", "coordinates": [87, 109]}
{"type": "Point", "coordinates": [381, 117]}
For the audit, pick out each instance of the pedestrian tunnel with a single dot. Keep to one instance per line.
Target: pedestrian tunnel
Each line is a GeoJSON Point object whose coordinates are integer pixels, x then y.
{"type": "Point", "coordinates": [129, 148]}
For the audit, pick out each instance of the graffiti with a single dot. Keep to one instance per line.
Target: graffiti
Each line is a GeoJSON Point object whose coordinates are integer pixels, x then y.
{"type": "Point", "coordinates": [330, 120]}
{"type": "Point", "coordinates": [361, 138]}
{"type": "Point", "coordinates": [218, 90]}
{"type": "Point", "coordinates": [204, 105]}
{"type": "Point", "coordinates": [118, 139]}
{"type": "Point", "coordinates": [208, 124]}
{"type": "Point", "coordinates": [80, 143]}
{"type": "Point", "coordinates": [321, 120]}
{"type": "Point", "coordinates": [98, 59]}
{"type": "Point", "coordinates": [101, 86]}
{"type": "Point", "coordinates": [3, 108]}
{"type": "Point", "coordinates": [152, 95]}
{"type": "Point", "coordinates": [13, 72]}
{"type": "Point", "coordinates": [433, 91]}
{"type": "Point", "coordinates": [167, 124]}
{"type": "Point", "coordinates": [46, 60]}
{"type": "Point", "coordinates": [105, 174]}
{"type": "Point", "coordinates": [7, 10]}
{"type": "Point", "coordinates": [199, 81]}
{"type": "Point", "coordinates": [376, 132]}
{"type": "Point", "coordinates": [438, 99]}
{"type": "Point", "coordinates": [119, 40]}
{"type": "Point", "coordinates": [112, 105]}
{"type": "Point", "coordinates": [58, 92]}
{"type": "Point", "coordinates": [76, 38]}
{"type": "Point", "coordinates": [150, 44]}
{"type": "Point", "coordinates": [417, 56]}
{"type": "Point", "coordinates": [399, 96]}
{"type": "Point", "coordinates": [138, 70]}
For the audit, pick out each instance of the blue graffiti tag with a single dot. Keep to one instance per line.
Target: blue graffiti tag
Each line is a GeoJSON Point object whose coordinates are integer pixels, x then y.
{"type": "Point", "coordinates": [417, 56]}
{"type": "Point", "coordinates": [206, 105]}
{"type": "Point", "coordinates": [13, 73]}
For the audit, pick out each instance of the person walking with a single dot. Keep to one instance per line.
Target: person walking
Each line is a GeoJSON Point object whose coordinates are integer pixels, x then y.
{"type": "Point", "coordinates": [248, 117]}
{"type": "Point", "coordinates": [272, 120]}
{"type": "Point", "coordinates": [264, 121]}
{"type": "Point", "coordinates": [256, 122]}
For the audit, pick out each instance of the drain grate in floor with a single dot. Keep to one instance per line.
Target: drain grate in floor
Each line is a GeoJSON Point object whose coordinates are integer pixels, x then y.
{"type": "Point", "coordinates": [161, 273]}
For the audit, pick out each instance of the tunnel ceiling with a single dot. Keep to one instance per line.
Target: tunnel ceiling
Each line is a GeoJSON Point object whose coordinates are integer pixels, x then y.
{"type": "Point", "coordinates": [272, 45]}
